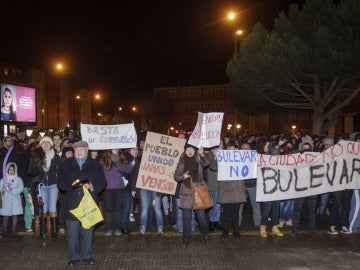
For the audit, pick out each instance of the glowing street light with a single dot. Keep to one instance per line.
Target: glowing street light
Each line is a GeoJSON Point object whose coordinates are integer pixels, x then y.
{"type": "Point", "coordinates": [231, 16]}
{"type": "Point", "coordinates": [59, 66]}
{"type": "Point", "coordinates": [77, 97]}
{"type": "Point", "coordinates": [238, 33]}
{"type": "Point", "coordinates": [134, 109]}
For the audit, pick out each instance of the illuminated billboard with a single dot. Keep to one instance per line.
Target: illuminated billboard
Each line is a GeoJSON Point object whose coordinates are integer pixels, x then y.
{"type": "Point", "coordinates": [18, 103]}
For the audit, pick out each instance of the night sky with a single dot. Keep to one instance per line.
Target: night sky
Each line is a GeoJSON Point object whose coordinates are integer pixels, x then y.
{"type": "Point", "coordinates": [125, 48]}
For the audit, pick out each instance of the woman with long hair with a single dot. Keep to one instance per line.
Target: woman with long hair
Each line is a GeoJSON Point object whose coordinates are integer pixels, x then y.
{"type": "Point", "coordinates": [44, 168]}
{"type": "Point", "coordinates": [115, 166]}
{"type": "Point", "coordinates": [190, 169]}
{"type": "Point", "coordinates": [7, 108]}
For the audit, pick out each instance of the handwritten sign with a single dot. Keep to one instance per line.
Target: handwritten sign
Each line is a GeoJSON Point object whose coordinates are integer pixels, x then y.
{"type": "Point", "coordinates": [299, 175]}
{"type": "Point", "coordinates": [236, 164]}
{"type": "Point", "coordinates": [207, 131]}
{"type": "Point", "coordinates": [101, 137]}
{"type": "Point", "coordinates": [161, 155]}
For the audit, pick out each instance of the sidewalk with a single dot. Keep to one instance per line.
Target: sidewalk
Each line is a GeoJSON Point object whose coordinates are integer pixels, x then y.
{"type": "Point", "coordinates": [166, 252]}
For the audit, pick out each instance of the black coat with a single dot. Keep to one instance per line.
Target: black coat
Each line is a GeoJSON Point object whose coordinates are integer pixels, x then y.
{"type": "Point", "coordinates": [69, 172]}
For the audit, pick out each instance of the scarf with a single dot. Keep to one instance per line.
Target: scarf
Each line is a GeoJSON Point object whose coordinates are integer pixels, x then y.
{"type": "Point", "coordinates": [191, 166]}
{"type": "Point", "coordinates": [81, 161]}
{"type": "Point", "coordinates": [48, 157]}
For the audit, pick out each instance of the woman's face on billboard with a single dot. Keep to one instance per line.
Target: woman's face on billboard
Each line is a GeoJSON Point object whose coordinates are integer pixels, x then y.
{"type": "Point", "coordinates": [7, 98]}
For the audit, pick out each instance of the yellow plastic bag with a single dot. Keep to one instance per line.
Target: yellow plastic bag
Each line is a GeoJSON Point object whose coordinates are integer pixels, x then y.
{"type": "Point", "coordinates": [88, 213]}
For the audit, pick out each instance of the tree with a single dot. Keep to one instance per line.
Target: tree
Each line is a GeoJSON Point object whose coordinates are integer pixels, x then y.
{"type": "Point", "coordinates": [310, 61]}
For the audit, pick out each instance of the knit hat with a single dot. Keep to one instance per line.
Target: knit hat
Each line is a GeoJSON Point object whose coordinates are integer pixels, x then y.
{"type": "Point", "coordinates": [46, 139]}
{"type": "Point", "coordinates": [66, 149]}
{"type": "Point", "coordinates": [187, 145]}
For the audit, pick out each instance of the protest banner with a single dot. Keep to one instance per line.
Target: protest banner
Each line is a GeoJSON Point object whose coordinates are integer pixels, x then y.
{"type": "Point", "coordinates": [207, 131]}
{"type": "Point", "coordinates": [160, 157]}
{"type": "Point", "coordinates": [236, 164]}
{"type": "Point", "coordinates": [102, 137]}
{"type": "Point", "coordinates": [283, 177]}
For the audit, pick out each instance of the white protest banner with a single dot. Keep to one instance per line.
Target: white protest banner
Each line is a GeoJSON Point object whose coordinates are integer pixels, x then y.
{"type": "Point", "coordinates": [102, 137]}
{"type": "Point", "coordinates": [207, 131]}
{"type": "Point", "coordinates": [285, 177]}
{"type": "Point", "coordinates": [236, 164]}
{"type": "Point", "coordinates": [159, 160]}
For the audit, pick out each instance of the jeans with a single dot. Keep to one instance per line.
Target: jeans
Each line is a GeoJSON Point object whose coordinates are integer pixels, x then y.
{"type": "Point", "coordinates": [74, 229]}
{"type": "Point", "coordinates": [146, 198]}
{"type": "Point", "coordinates": [187, 216]}
{"type": "Point", "coordinates": [324, 198]}
{"type": "Point", "coordinates": [127, 200]}
{"type": "Point", "coordinates": [286, 209]}
{"type": "Point", "coordinates": [179, 218]}
{"type": "Point", "coordinates": [50, 195]}
{"type": "Point", "coordinates": [112, 203]}
{"type": "Point", "coordinates": [254, 205]}
{"type": "Point", "coordinates": [266, 208]}
{"type": "Point", "coordinates": [215, 211]}
{"type": "Point", "coordinates": [354, 215]}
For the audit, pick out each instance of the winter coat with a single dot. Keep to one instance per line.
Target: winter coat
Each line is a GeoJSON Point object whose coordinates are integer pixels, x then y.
{"type": "Point", "coordinates": [70, 171]}
{"type": "Point", "coordinates": [114, 176]}
{"type": "Point", "coordinates": [47, 178]}
{"type": "Point", "coordinates": [233, 191]}
{"type": "Point", "coordinates": [186, 194]}
{"type": "Point", "coordinates": [212, 172]}
{"type": "Point", "coordinates": [11, 201]}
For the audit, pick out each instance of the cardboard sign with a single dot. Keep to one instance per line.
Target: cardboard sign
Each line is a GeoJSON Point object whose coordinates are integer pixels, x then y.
{"type": "Point", "coordinates": [102, 137]}
{"type": "Point", "coordinates": [236, 164]}
{"type": "Point", "coordinates": [160, 157]}
{"type": "Point", "coordinates": [283, 177]}
{"type": "Point", "coordinates": [207, 131]}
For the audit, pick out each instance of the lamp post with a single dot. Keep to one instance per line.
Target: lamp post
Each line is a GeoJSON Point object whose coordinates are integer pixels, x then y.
{"type": "Point", "coordinates": [237, 33]}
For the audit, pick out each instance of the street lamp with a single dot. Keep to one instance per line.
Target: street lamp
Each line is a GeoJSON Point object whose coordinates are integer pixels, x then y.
{"type": "Point", "coordinates": [237, 33]}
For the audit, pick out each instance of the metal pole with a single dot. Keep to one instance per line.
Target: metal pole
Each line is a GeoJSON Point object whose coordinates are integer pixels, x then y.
{"type": "Point", "coordinates": [235, 44]}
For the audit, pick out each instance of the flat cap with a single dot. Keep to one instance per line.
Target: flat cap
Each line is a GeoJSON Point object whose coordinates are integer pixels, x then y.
{"type": "Point", "coordinates": [80, 144]}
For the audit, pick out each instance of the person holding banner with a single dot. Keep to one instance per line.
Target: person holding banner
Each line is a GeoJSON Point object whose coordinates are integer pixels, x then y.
{"type": "Point", "coordinates": [270, 207]}
{"type": "Point", "coordinates": [310, 202]}
{"type": "Point", "coordinates": [211, 179]}
{"type": "Point", "coordinates": [190, 169]}
{"type": "Point", "coordinates": [115, 166]}
{"type": "Point", "coordinates": [230, 195]}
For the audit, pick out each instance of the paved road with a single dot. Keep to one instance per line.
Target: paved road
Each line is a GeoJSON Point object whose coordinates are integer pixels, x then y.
{"type": "Point", "coordinates": [153, 252]}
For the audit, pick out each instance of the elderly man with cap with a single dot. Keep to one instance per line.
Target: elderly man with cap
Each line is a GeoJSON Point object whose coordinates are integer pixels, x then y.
{"type": "Point", "coordinates": [76, 172]}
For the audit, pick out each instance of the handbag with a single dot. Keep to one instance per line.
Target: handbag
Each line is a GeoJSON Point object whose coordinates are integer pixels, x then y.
{"type": "Point", "coordinates": [88, 213]}
{"type": "Point", "coordinates": [202, 196]}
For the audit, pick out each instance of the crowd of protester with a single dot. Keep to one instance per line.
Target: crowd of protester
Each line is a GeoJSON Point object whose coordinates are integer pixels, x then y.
{"type": "Point", "coordinates": [37, 181]}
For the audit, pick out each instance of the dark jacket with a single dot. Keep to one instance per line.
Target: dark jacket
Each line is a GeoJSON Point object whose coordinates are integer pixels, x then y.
{"type": "Point", "coordinates": [69, 172]}
{"type": "Point", "coordinates": [186, 194]}
{"type": "Point", "coordinates": [231, 192]}
{"type": "Point", "coordinates": [40, 176]}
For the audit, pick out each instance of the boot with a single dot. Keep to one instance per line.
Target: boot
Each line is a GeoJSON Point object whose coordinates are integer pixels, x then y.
{"type": "Point", "coordinates": [54, 232]}
{"type": "Point", "coordinates": [48, 225]}
{"type": "Point", "coordinates": [263, 231]}
{"type": "Point", "coordinates": [5, 231]}
{"type": "Point", "coordinates": [276, 231]}
{"type": "Point", "coordinates": [211, 227]}
{"type": "Point", "coordinates": [218, 225]}
{"type": "Point", "coordinates": [42, 227]}
{"type": "Point", "coordinates": [13, 231]}
{"type": "Point", "coordinates": [36, 226]}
